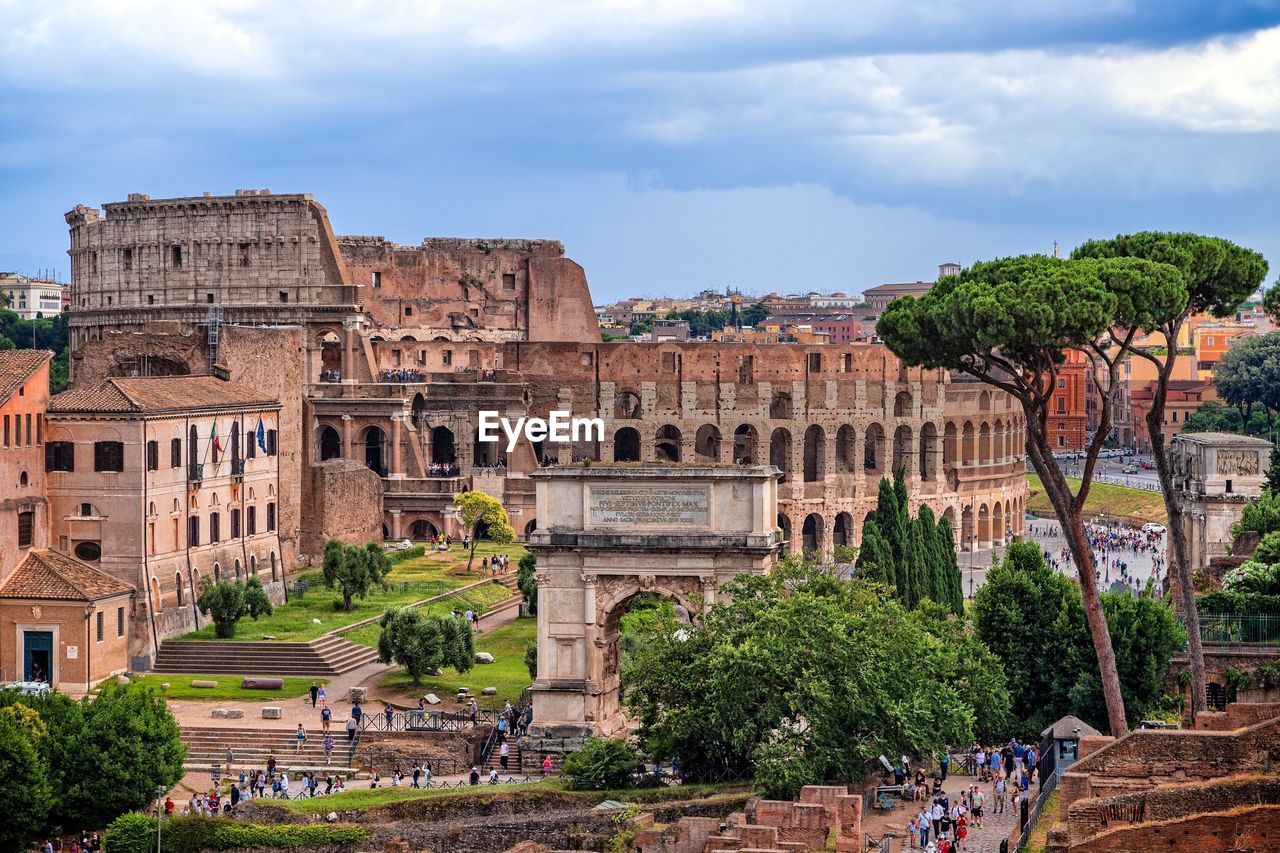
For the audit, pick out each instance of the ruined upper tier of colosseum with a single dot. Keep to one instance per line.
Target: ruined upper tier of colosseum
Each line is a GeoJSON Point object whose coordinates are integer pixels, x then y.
{"type": "Point", "coordinates": [401, 346]}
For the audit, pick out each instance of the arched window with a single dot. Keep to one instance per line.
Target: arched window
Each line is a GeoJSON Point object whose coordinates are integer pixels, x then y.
{"type": "Point", "coordinates": [22, 479]}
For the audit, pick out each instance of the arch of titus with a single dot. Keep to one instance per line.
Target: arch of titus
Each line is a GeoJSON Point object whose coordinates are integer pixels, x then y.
{"type": "Point", "coordinates": [607, 533]}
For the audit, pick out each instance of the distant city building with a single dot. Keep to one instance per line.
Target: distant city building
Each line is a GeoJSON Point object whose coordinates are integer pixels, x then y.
{"type": "Point", "coordinates": [670, 330]}
{"type": "Point", "coordinates": [30, 298]}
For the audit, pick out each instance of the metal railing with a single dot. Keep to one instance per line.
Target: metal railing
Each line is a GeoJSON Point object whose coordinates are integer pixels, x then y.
{"type": "Point", "coordinates": [1033, 814]}
{"type": "Point", "coordinates": [1243, 629]}
{"type": "Point", "coordinates": [428, 721]}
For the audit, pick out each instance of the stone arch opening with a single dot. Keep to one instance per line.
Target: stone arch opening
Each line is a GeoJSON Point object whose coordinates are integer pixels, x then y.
{"type": "Point", "coordinates": [530, 527]}
{"type": "Point", "coordinates": [419, 409]}
{"type": "Point", "coordinates": [666, 444]}
{"type": "Point", "coordinates": [484, 454]}
{"type": "Point", "coordinates": [626, 445]}
{"type": "Point", "coordinates": [998, 437]}
{"type": "Point", "coordinates": [842, 530]}
{"type": "Point", "coordinates": [997, 524]}
{"type": "Point", "coordinates": [846, 449]}
{"type": "Point", "coordinates": [928, 452]}
{"type": "Point", "coordinates": [784, 525]}
{"type": "Point", "coordinates": [375, 450]}
{"type": "Point", "coordinates": [950, 515]}
{"type": "Point", "coordinates": [984, 401]}
{"type": "Point", "coordinates": [330, 356]}
{"type": "Point", "coordinates": [949, 444]}
{"type": "Point", "coordinates": [706, 443]}
{"type": "Point", "coordinates": [873, 450]}
{"type": "Point", "coordinates": [330, 443]}
{"type": "Point", "coordinates": [902, 450]}
{"type": "Point", "coordinates": [442, 448]}
{"type": "Point", "coordinates": [966, 529]}
{"type": "Point", "coordinates": [626, 406]}
{"type": "Point", "coordinates": [984, 526]}
{"type": "Point", "coordinates": [902, 405]}
{"type": "Point", "coordinates": [780, 406]}
{"type": "Point", "coordinates": [812, 534]}
{"type": "Point", "coordinates": [780, 452]}
{"type": "Point", "coordinates": [984, 443]}
{"type": "Point", "coordinates": [745, 439]}
{"type": "Point", "coordinates": [968, 451]}
{"type": "Point", "coordinates": [815, 454]}
{"type": "Point", "coordinates": [423, 529]}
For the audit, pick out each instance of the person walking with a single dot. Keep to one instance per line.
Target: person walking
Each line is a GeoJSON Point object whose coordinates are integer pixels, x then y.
{"type": "Point", "coordinates": [325, 715]}
{"type": "Point", "coordinates": [301, 737]}
{"type": "Point", "coordinates": [504, 753]}
{"type": "Point", "coordinates": [351, 730]}
{"type": "Point", "coordinates": [315, 693]}
{"type": "Point", "coordinates": [328, 750]}
{"type": "Point", "coordinates": [546, 766]}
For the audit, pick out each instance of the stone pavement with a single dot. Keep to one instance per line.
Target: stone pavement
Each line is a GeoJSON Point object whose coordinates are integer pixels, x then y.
{"type": "Point", "coordinates": [995, 828]}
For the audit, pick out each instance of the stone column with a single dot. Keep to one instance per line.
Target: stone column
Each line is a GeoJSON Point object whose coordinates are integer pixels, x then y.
{"type": "Point", "coordinates": [348, 354]}
{"type": "Point", "coordinates": [589, 599]}
{"type": "Point", "coordinates": [393, 469]}
{"type": "Point", "coordinates": [396, 530]}
{"type": "Point", "coordinates": [347, 451]}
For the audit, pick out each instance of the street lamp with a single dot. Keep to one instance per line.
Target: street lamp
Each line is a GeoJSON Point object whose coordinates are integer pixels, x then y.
{"type": "Point", "coordinates": [972, 537]}
{"type": "Point", "coordinates": [159, 814]}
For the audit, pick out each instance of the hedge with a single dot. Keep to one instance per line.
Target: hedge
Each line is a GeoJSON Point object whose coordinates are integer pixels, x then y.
{"type": "Point", "coordinates": [136, 833]}
{"type": "Point", "coordinates": [1238, 603]}
{"type": "Point", "coordinates": [407, 554]}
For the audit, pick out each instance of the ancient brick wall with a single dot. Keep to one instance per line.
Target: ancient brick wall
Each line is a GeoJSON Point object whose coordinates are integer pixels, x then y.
{"type": "Point", "coordinates": [343, 501]}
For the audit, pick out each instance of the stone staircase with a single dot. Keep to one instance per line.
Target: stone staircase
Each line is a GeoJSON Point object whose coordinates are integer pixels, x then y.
{"type": "Point", "coordinates": [252, 747]}
{"type": "Point", "coordinates": [324, 657]}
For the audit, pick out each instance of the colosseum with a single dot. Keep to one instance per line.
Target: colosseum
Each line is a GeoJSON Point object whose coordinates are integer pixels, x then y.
{"type": "Point", "coordinates": [401, 346]}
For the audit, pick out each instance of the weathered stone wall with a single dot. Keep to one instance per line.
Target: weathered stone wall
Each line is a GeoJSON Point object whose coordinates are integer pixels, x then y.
{"type": "Point", "coordinates": [343, 501]}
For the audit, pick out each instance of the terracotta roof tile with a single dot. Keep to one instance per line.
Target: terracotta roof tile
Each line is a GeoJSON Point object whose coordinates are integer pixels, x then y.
{"type": "Point", "coordinates": [153, 394]}
{"type": "Point", "coordinates": [16, 367]}
{"type": "Point", "coordinates": [56, 576]}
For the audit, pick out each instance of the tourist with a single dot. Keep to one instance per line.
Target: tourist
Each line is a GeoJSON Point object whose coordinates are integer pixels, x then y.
{"type": "Point", "coordinates": [168, 807]}
{"type": "Point", "coordinates": [474, 711]}
{"type": "Point", "coordinates": [356, 711]}
{"type": "Point", "coordinates": [300, 737]}
{"type": "Point", "coordinates": [546, 765]}
{"type": "Point", "coordinates": [328, 750]}
{"type": "Point", "coordinates": [417, 774]}
{"type": "Point", "coordinates": [944, 762]}
{"type": "Point", "coordinates": [395, 776]}
{"type": "Point", "coordinates": [922, 826]}
{"type": "Point", "coordinates": [315, 693]}
{"type": "Point", "coordinates": [493, 775]}
{"type": "Point", "coordinates": [374, 777]}
{"type": "Point", "coordinates": [325, 715]}
{"type": "Point", "coordinates": [504, 753]}
{"type": "Point", "coordinates": [935, 817]}
{"type": "Point", "coordinates": [234, 796]}
{"type": "Point", "coordinates": [262, 783]}
{"type": "Point", "coordinates": [284, 784]}
{"type": "Point", "coordinates": [328, 785]}
{"type": "Point", "coordinates": [351, 729]}
{"type": "Point", "coordinates": [976, 801]}
{"type": "Point", "coordinates": [962, 831]}
{"type": "Point", "coordinates": [475, 775]}
{"type": "Point", "coordinates": [340, 785]}
{"type": "Point", "coordinates": [230, 757]}
{"type": "Point", "coordinates": [999, 795]}
{"type": "Point", "coordinates": [390, 714]}
{"type": "Point", "coordinates": [920, 790]}
{"type": "Point", "coordinates": [320, 696]}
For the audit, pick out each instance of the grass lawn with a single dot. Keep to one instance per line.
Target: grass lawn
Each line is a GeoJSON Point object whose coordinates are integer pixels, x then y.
{"type": "Point", "coordinates": [481, 597]}
{"type": "Point", "coordinates": [361, 799]}
{"type": "Point", "coordinates": [292, 621]}
{"type": "Point", "coordinates": [228, 687]}
{"type": "Point", "coordinates": [1137, 504]}
{"type": "Point", "coordinates": [507, 672]}
{"type": "Point", "coordinates": [1049, 814]}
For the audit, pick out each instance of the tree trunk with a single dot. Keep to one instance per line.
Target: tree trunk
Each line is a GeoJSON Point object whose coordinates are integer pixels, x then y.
{"type": "Point", "coordinates": [1071, 519]}
{"type": "Point", "coordinates": [1179, 560]}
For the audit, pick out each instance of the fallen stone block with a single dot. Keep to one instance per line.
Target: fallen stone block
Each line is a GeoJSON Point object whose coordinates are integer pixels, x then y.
{"type": "Point", "coordinates": [357, 694]}
{"type": "Point", "coordinates": [227, 713]}
{"type": "Point", "coordinates": [204, 683]}
{"type": "Point", "coordinates": [489, 691]}
{"type": "Point", "coordinates": [432, 699]}
{"type": "Point", "coordinates": [262, 683]}
{"type": "Point", "coordinates": [272, 713]}
{"type": "Point", "coordinates": [484, 657]}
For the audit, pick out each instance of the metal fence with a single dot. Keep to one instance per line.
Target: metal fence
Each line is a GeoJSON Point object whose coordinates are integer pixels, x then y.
{"type": "Point", "coordinates": [1240, 629]}
{"type": "Point", "coordinates": [1033, 814]}
{"type": "Point", "coordinates": [428, 721]}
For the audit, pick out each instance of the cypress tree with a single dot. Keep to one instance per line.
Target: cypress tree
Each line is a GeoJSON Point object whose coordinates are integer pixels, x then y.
{"type": "Point", "coordinates": [953, 585]}
{"type": "Point", "coordinates": [889, 518]}
{"type": "Point", "coordinates": [933, 569]}
{"type": "Point", "coordinates": [875, 558]}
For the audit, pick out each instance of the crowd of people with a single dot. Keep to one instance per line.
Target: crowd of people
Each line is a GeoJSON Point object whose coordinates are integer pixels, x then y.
{"type": "Point", "coordinates": [331, 376]}
{"type": "Point", "coordinates": [443, 469]}
{"type": "Point", "coordinates": [400, 374]}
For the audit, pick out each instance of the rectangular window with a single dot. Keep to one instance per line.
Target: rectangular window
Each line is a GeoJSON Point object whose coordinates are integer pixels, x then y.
{"type": "Point", "coordinates": [244, 254]}
{"type": "Point", "coordinates": [252, 521]}
{"type": "Point", "coordinates": [17, 430]}
{"type": "Point", "coordinates": [271, 516]}
{"type": "Point", "coordinates": [235, 524]}
{"type": "Point", "coordinates": [1061, 441]}
{"type": "Point", "coordinates": [128, 260]}
{"type": "Point", "coordinates": [1062, 383]}
{"type": "Point", "coordinates": [6, 430]}
{"type": "Point", "coordinates": [119, 621]}
{"type": "Point", "coordinates": [26, 528]}
{"type": "Point", "coordinates": [108, 456]}
{"type": "Point", "coordinates": [846, 363]}
{"type": "Point", "coordinates": [59, 456]}
{"type": "Point", "coordinates": [30, 432]}
{"type": "Point", "coordinates": [508, 281]}
{"type": "Point", "coordinates": [39, 429]}
{"type": "Point", "coordinates": [408, 310]}
{"type": "Point", "coordinates": [1175, 416]}
{"type": "Point", "coordinates": [215, 523]}
{"type": "Point", "coordinates": [208, 297]}
{"type": "Point", "coordinates": [815, 362]}
{"type": "Point", "coordinates": [1062, 404]}
{"type": "Point", "coordinates": [153, 455]}
{"type": "Point", "coordinates": [99, 621]}
{"type": "Point", "coordinates": [250, 444]}
{"type": "Point", "coordinates": [193, 531]}
{"type": "Point", "coordinates": [175, 254]}
{"type": "Point", "coordinates": [271, 442]}
{"type": "Point", "coordinates": [175, 453]}
{"type": "Point", "coordinates": [377, 279]}
{"type": "Point", "coordinates": [284, 296]}
{"type": "Point", "coordinates": [447, 357]}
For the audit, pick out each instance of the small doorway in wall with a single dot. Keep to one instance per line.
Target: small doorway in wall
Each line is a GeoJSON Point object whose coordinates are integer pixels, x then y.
{"type": "Point", "coordinates": [37, 656]}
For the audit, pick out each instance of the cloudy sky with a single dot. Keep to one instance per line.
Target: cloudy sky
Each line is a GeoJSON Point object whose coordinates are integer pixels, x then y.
{"type": "Point", "coordinates": [670, 144]}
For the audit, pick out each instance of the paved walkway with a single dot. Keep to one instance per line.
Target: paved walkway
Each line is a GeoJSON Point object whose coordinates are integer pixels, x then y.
{"type": "Point", "coordinates": [995, 827]}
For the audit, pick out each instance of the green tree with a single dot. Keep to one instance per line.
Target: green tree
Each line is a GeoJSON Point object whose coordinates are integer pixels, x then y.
{"type": "Point", "coordinates": [1214, 417]}
{"type": "Point", "coordinates": [527, 580]}
{"type": "Point", "coordinates": [422, 644]}
{"type": "Point", "coordinates": [128, 747]}
{"type": "Point", "coordinates": [377, 561]}
{"type": "Point", "coordinates": [1273, 471]}
{"type": "Point", "coordinates": [25, 796]}
{"type": "Point", "coordinates": [1215, 276]}
{"type": "Point", "coordinates": [531, 658]}
{"type": "Point", "coordinates": [600, 764]}
{"type": "Point", "coordinates": [227, 602]}
{"type": "Point", "coordinates": [875, 557]}
{"type": "Point", "coordinates": [351, 570]}
{"type": "Point", "coordinates": [794, 680]}
{"type": "Point", "coordinates": [1010, 323]}
{"type": "Point", "coordinates": [754, 315]}
{"type": "Point", "coordinates": [1248, 375]}
{"type": "Point", "coordinates": [478, 510]}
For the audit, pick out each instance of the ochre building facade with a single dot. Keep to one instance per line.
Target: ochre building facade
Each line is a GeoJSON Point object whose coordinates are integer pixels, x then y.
{"type": "Point", "coordinates": [384, 354]}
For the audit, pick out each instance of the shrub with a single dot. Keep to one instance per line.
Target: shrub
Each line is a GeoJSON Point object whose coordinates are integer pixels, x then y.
{"type": "Point", "coordinates": [132, 832]}
{"type": "Point", "coordinates": [531, 658]}
{"type": "Point", "coordinates": [527, 580]}
{"type": "Point", "coordinates": [421, 644]}
{"type": "Point", "coordinates": [407, 554]}
{"type": "Point", "coordinates": [227, 602]}
{"type": "Point", "coordinates": [601, 763]}
{"type": "Point", "coordinates": [136, 833]}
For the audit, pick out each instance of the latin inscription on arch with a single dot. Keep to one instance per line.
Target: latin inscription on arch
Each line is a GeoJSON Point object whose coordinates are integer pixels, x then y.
{"type": "Point", "coordinates": [634, 506]}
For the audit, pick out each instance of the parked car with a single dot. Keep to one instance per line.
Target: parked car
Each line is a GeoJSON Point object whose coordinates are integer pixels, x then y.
{"type": "Point", "coordinates": [1153, 527]}
{"type": "Point", "coordinates": [1130, 469]}
{"type": "Point", "coordinates": [1147, 465]}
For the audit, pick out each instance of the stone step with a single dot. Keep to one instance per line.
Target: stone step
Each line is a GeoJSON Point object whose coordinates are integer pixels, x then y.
{"type": "Point", "coordinates": [324, 657]}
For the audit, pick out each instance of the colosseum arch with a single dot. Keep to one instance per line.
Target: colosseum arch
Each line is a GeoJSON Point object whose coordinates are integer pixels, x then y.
{"type": "Point", "coordinates": [873, 450]}
{"type": "Point", "coordinates": [998, 440]}
{"type": "Point", "coordinates": [626, 406]}
{"type": "Point", "coordinates": [967, 534]}
{"type": "Point", "coordinates": [984, 444]}
{"type": "Point", "coordinates": [443, 450]}
{"type": "Point", "coordinates": [780, 452]}
{"type": "Point", "coordinates": [626, 445]}
{"type": "Point", "coordinates": [813, 534]}
{"type": "Point", "coordinates": [902, 405]}
{"type": "Point", "coordinates": [968, 445]}
{"type": "Point", "coordinates": [815, 454]}
{"type": "Point", "coordinates": [666, 444]}
{"type": "Point", "coordinates": [846, 449]}
{"type": "Point", "coordinates": [842, 530]}
{"type": "Point", "coordinates": [928, 464]}
{"type": "Point", "coordinates": [745, 441]}
{"type": "Point", "coordinates": [949, 444]}
{"type": "Point", "coordinates": [984, 526]}
{"type": "Point", "coordinates": [784, 525]}
{"type": "Point", "coordinates": [984, 401]}
{"type": "Point", "coordinates": [329, 442]}
{"type": "Point", "coordinates": [706, 443]}
{"type": "Point", "coordinates": [374, 440]}
{"type": "Point", "coordinates": [780, 406]}
{"type": "Point", "coordinates": [997, 524]}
